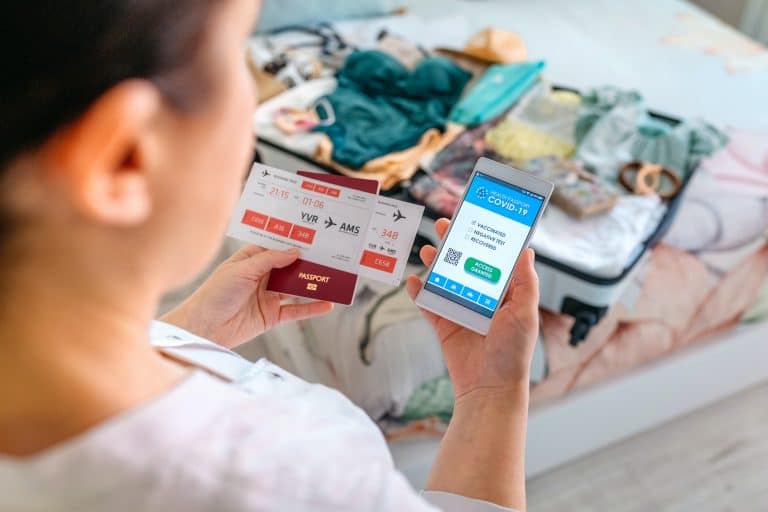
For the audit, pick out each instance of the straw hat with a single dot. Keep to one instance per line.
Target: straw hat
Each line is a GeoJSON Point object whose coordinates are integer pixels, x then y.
{"type": "Point", "coordinates": [492, 45]}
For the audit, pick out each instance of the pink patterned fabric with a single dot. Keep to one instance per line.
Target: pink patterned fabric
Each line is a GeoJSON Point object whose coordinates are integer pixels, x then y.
{"type": "Point", "coordinates": [660, 322]}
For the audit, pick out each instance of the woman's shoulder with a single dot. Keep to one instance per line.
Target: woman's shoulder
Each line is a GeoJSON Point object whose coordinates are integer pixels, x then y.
{"type": "Point", "coordinates": [210, 441]}
{"type": "Point", "coordinates": [280, 440]}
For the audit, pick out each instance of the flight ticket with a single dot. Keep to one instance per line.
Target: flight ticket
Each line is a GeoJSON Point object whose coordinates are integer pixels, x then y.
{"type": "Point", "coordinates": [331, 220]}
{"type": "Point", "coordinates": [390, 235]}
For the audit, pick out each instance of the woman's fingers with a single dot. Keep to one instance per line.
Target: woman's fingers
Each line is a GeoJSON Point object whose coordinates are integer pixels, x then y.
{"type": "Point", "coordinates": [525, 282]}
{"type": "Point", "coordinates": [247, 252]}
{"type": "Point", "coordinates": [522, 298]}
{"type": "Point", "coordinates": [301, 311]}
{"type": "Point", "coordinates": [259, 263]}
{"type": "Point", "coordinates": [412, 286]}
{"type": "Point", "coordinates": [427, 254]}
{"type": "Point", "coordinates": [441, 226]}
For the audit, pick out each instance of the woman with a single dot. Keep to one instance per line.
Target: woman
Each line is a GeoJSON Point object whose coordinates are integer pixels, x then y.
{"type": "Point", "coordinates": [124, 137]}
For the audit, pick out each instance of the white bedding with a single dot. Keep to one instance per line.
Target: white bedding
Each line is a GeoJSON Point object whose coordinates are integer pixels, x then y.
{"type": "Point", "coordinates": [658, 48]}
{"type": "Point", "coordinates": [589, 43]}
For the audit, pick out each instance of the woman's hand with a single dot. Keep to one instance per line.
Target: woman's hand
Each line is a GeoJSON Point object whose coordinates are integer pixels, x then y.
{"type": "Point", "coordinates": [482, 454]}
{"type": "Point", "coordinates": [499, 361]}
{"type": "Point", "coordinates": [234, 305]}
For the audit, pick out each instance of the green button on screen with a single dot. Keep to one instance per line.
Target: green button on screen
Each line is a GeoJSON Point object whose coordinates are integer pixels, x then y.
{"type": "Point", "coordinates": [482, 270]}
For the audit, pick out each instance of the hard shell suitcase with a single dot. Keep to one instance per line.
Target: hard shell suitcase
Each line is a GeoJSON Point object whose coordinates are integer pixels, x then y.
{"type": "Point", "coordinates": [563, 288]}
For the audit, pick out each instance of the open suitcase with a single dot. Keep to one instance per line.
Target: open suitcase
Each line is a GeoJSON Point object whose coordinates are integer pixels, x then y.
{"type": "Point", "coordinates": [564, 289]}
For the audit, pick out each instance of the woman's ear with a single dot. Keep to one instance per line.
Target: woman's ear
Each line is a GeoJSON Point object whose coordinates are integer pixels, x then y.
{"type": "Point", "coordinates": [103, 159]}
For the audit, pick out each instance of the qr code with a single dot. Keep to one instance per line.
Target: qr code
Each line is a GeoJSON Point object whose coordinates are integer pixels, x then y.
{"type": "Point", "coordinates": [452, 257]}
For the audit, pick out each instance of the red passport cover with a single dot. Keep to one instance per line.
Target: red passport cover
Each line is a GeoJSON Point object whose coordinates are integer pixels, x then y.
{"type": "Point", "coordinates": [306, 279]}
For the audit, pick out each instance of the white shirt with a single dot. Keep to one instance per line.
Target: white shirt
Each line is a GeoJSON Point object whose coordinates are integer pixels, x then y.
{"type": "Point", "coordinates": [266, 441]}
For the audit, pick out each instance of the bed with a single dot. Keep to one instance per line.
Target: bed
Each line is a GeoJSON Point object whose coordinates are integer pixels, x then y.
{"type": "Point", "coordinates": [686, 64]}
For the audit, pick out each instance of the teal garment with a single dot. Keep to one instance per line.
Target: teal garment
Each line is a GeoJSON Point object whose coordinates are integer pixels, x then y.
{"type": "Point", "coordinates": [598, 102]}
{"type": "Point", "coordinates": [380, 106]}
{"type": "Point", "coordinates": [678, 148]}
{"type": "Point", "coordinates": [433, 398]}
{"type": "Point", "coordinates": [497, 90]}
{"type": "Point", "coordinates": [614, 127]}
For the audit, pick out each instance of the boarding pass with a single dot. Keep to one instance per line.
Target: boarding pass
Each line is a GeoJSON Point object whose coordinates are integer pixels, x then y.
{"type": "Point", "coordinates": [333, 227]}
{"type": "Point", "coordinates": [390, 235]}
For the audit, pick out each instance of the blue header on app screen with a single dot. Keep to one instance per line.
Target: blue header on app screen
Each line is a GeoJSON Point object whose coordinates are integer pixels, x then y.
{"type": "Point", "coordinates": [505, 200]}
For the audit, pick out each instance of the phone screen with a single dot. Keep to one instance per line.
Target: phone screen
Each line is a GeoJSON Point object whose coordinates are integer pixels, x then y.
{"type": "Point", "coordinates": [486, 237]}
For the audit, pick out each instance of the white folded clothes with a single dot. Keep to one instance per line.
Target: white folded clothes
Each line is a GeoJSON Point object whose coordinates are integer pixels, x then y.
{"type": "Point", "coordinates": [301, 97]}
{"type": "Point", "coordinates": [602, 245]}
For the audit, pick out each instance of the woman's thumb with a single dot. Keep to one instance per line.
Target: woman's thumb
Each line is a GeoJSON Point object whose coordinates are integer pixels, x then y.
{"type": "Point", "coordinates": [525, 281]}
{"type": "Point", "coordinates": [523, 295]}
{"type": "Point", "coordinates": [261, 263]}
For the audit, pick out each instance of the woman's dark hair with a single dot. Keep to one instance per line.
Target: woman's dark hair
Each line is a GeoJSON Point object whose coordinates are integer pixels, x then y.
{"type": "Point", "coordinates": [58, 56]}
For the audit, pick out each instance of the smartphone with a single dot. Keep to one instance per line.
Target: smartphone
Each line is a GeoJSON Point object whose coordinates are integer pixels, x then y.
{"type": "Point", "coordinates": [492, 225]}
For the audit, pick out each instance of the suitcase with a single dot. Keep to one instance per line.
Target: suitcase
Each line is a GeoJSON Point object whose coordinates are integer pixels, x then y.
{"type": "Point", "coordinates": [563, 289]}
